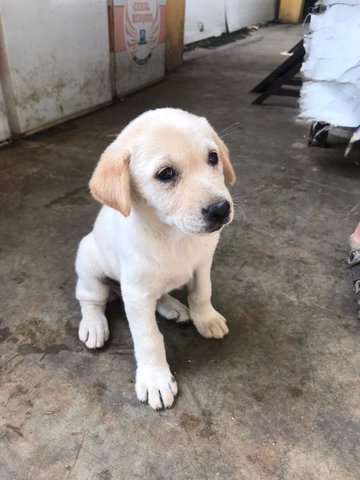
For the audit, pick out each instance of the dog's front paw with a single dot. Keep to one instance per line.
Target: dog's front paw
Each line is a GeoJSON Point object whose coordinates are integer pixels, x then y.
{"type": "Point", "coordinates": [94, 331]}
{"type": "Point", "coordinates": [156, 385]}
{"type": "Point", "coordinates": [210, 324]}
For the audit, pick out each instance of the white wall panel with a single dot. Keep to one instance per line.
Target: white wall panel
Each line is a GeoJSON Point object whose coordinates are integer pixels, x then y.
{"type": "Point", "coordinates": [242, 13]}
{"type": "Point", "coordinates": [4, 125]}
{"type": "Point", "coordinates": [138, 43]}
{"type": "Point", "coordinates": [58, 58]}
{"type": "Point", "coordinates": [204, 19]}
{"type": "Point", "coordinates": [130, 77]}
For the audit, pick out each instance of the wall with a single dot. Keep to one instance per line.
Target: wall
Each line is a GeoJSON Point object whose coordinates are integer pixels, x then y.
{"type": "Point", "coordinates": [290, 11]}
{"type": "Point", "coordinates": [242, 13]}
{"type": "Point", "coordinates": [4, 125]}
{"type": "Point", "coordinates": [204, 19]}
{"type": "Point", "coordinates": [62, 58]}
{"type": "Point", "coordinates": [57, 59]}
{"type": "Point", "coordinates": [175, 16]}
{"type": "Point", "coordinates": [138, 43]}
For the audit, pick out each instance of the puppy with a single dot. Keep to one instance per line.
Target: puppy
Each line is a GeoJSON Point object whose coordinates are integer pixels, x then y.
{"type": "Point", "coordinates": [162, 184]}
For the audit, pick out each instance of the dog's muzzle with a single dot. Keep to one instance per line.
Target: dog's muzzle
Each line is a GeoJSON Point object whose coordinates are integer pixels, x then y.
{"type": "Point", "coordinates": [216, 215]}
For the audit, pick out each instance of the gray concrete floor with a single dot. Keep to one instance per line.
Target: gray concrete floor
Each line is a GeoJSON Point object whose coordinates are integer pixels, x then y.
{"type": "Point", "coordinates": [279, 397]}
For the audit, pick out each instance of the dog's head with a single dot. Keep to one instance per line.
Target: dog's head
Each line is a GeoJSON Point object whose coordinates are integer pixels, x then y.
{"type": "Point", "coordinates": [172, 162]}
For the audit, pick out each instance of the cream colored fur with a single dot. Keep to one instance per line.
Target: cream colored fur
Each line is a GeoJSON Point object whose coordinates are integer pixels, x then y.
{"type": "Point", "coordinates": [151, 237]}
{"type": "Point", "coordinates": [354, 239]}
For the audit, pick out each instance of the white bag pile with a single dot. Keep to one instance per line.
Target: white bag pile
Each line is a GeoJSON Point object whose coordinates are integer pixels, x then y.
{"type": "Point", "coordinates": [331, 70]}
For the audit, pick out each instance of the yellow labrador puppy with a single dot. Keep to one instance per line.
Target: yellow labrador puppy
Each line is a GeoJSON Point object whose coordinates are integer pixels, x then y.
{"type": "Point", "coordinates": [162, 183]}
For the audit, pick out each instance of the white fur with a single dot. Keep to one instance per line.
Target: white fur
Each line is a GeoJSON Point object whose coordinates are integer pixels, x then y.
{"type": "Point", "coordinates": [150, 254]}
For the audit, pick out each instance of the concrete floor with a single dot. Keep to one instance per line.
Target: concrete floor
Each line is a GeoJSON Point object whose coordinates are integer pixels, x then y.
{"type": "Point", "coordinates": [276, 399]}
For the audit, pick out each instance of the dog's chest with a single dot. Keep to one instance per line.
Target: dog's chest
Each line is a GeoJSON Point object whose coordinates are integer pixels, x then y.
{"type": "Point", "coordinates": [176, 264]}
{"type": "Point", "coordinates": [177, 274]}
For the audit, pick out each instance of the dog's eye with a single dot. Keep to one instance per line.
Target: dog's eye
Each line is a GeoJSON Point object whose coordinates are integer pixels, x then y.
{"type": "Point", "coordinates": [166, 175]}
{"type": "Point", "coordinates": [213, 158]}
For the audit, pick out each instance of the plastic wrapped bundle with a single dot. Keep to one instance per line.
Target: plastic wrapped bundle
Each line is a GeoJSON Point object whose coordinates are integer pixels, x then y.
{"type": "Point", "coordinates": [331, 70]}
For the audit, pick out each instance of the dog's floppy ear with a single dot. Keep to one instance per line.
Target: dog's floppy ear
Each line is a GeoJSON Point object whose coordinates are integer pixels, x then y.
{"type": "Point", "coordinates": [229, 174]}
{"type": "Point", "coordinates": [110, 183]}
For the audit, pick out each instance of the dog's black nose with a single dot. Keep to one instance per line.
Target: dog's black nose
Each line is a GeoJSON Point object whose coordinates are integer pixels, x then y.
{"type": "Point", "coordinates": [217, 212]}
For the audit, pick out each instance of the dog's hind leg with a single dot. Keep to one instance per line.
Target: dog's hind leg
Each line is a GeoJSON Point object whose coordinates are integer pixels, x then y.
{"type": "Point", "coordinates": [171, 309]}
{"type": "Point", "coordinates": [92, 292]}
